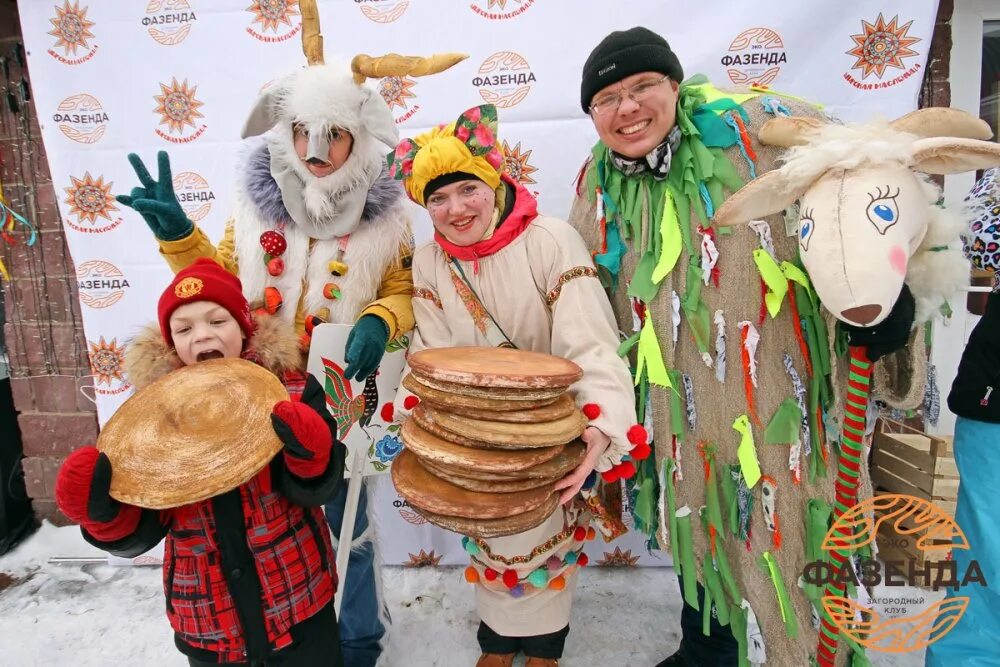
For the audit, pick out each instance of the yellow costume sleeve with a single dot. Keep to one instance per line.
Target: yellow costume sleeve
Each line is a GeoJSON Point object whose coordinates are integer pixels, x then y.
{"type": "Point", "coordinates": [393, 303]}
{"type": "Point", "coordinates": [183, 252]}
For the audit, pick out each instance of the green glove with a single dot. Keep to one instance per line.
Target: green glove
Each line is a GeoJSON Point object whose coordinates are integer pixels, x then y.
{"type": "Point", "coordinates": [365, 347]}
{"type": "Point", "coordinates": [156, 202]}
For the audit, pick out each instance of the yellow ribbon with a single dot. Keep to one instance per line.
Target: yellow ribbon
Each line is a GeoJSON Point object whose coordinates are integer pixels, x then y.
{"type": "Point", "coordinates": [772, 567]}
{"type": "Point", "coordinates": [765, 89]}
{"type": "Point", "coordinates": [712, 94]}
{"type": "Point", "coordinates": [777, 283]}
{"type": "Point", "coordinates": [650, 358]}
{"type": "Point", "coordinates": [747, 451]}
{"type": "Point", "coordinates": [670, 233]}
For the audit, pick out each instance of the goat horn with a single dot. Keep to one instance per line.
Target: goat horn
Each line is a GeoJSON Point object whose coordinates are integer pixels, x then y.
{"type": "Point", "coordinates": [393, 64]}
{"type": "Point", "coordinates": [788, 131]}
{"type": "Point", "coordinates": [312, 40]}
{"type": "Point", "coordinates": [943, 122]}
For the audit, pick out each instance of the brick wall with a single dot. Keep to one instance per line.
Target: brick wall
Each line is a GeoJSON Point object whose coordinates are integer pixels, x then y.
{"type": "Point", "coordinates": [42, 329]}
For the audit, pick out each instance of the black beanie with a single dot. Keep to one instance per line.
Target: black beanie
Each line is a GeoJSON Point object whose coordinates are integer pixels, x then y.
{"type": "Point", "coordinates": [447, 179]}
{"type": "Point", "coordinates": [622, 54]}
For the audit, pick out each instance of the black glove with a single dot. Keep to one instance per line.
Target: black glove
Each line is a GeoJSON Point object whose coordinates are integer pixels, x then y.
{"type": "Point", "coordinates": [889, 335]}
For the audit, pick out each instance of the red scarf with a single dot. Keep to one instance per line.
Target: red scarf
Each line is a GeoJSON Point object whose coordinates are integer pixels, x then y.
{"type": "Point", "coordinates": [525, 210]}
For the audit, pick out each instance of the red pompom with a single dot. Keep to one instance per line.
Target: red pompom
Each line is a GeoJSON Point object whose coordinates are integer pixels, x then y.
{"type": "Point", "coordinates": [591, 411]}
{"type": "Point", "coordinates": [510, 578]}
{"type": "Point", "coordinates": [580, 534]}
{"type": "Point", "coordinates": [410, 402]}
{"type": "Point", "coordinates": [641, 452]}
{"type": "Point", "coordinates": [387, 412]}
{"type": "Point", "coordinates": [582, 560]}
{"type": "Point", "coordinates": [490, 574]}
{"type": "Point", "coordinates": [626, 469]}
{"type": "Point", "coordinates": [637, 435]}
{"type": "Point", "coordinates": [611, 475]}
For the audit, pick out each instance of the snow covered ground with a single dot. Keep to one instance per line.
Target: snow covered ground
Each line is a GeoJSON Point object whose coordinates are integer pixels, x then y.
{"type": "Point", "coordinates": [103, 615]}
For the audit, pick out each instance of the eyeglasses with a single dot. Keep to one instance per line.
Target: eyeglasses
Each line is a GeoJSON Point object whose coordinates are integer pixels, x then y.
{"type": "Point", "coordinates": [637, 93]}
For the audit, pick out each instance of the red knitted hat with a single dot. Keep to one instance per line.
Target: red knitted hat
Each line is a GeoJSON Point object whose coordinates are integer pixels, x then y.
{"type": "Point", "coordinates": [204, 280]}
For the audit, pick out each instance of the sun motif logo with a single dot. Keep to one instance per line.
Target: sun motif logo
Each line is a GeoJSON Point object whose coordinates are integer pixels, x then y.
{"type": "Point", "coordinates": [101, 284]}
{"type": "Point", "coordinates": [516, 163]}
{"type": "Point", "coordinates": [496, 10]}
{"type": "Point", "coordinates": [107, 360]}
{"type": "Point", "coordinates": [619, 558]}
{"type": "Point", "coordinates": [194, 194]}
{"type": "Point", "coordinates": [880, 46]}
{"type": "Point", "coordinates": [397, 91]}
{"type": "Point", "coordinates": [504, 79]}
{"type": "Point", "coordinates": [423, 559]}
{"type": "Point", "coordinates": [383, 11]}
{"type": "Point", "coordinates": [81, 118]}
{"type": "Point", "coordinates": [168, 21]}
{"type": "Point", "coordinates": [71, 28]}
{"type": "Point", "coordinates": [178, 109]}
{"type": "Point", "coordinates": [755, 57]}
{"type": "Point", "coordinates": [88, 200]}
{"type": "Point", "coordinates": [273, 20]}
{"type": "Point", "coordinates": [188, 288]}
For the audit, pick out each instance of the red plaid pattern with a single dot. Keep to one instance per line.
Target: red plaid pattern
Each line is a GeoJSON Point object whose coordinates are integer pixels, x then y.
{"type": "Point", "coordinates": [293, 556]}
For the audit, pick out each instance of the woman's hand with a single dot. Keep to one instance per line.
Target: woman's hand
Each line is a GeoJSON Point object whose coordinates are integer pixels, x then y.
{"type": "Point", "coordinates": [597, 444]}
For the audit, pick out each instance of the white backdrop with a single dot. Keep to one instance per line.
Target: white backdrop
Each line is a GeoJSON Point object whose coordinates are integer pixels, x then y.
{"type": "Point", "coordinates": [112, 77]}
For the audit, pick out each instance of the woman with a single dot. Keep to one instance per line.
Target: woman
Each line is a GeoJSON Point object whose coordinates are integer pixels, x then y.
{"type": "Point", "coordinates": [498, 273]}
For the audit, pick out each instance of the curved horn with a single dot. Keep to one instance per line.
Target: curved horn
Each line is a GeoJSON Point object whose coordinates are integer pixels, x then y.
{"type": "Point", "coordinates": [788, 131]}
{"type": "Point", "coordinates": [393, 64]}
{"type": "Point", "coordinates": [312, 40]}
{"type": "Point", "coordinates": [943, 122]}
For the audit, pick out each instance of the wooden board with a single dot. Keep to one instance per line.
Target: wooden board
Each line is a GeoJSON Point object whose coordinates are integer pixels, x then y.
{"type": "Point", "coordinates": [495, 367]}
{"type": "Point", "coordinates": [944, 488]}
{"type": "Point", "coordinates": [422, 489]}
{"type": "Point", "coordinates": [490, 528]}
{"type": "Point", "coordinates": [885, 481]}
{"type": "Point", "coordinates": [942, 466]}
{"type": "Point", "coordinates": [429, 446]}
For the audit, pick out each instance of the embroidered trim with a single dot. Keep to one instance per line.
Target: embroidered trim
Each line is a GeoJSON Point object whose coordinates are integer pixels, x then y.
{"type": "Point", "coordinates": [479, 315]}
{"type": "Point", "coordinates": [549, 545]}
{"type": "Point", "coordinates": [575, 272]}
{"type": "Point", "coordinates": [424, 293]}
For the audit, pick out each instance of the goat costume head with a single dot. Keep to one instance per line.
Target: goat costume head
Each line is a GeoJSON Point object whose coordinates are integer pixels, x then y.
{"type": "Point", "coordinates": [869, 218]}
{"type": "Point", "coordinates": [321, 98]}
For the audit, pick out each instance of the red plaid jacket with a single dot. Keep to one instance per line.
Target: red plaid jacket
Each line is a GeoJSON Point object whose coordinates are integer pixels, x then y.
{"type": "Point", "coordinates": [292, 555]}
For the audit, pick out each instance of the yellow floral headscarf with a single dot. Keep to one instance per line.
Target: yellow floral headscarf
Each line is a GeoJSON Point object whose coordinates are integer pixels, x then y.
{"type": "Point", "coordinates": [468, 145]}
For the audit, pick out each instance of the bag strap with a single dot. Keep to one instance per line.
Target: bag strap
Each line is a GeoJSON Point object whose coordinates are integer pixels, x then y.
{"type": "Point", "coordinates": [494, 334]}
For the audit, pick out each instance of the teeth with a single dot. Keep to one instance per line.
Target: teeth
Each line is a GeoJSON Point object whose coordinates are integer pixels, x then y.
{"type": "Point", "coordinates": [632, 129]}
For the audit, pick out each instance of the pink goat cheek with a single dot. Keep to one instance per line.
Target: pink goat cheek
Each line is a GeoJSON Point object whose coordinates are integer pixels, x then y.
{"type": "Point", "coordinates": [898, 259]}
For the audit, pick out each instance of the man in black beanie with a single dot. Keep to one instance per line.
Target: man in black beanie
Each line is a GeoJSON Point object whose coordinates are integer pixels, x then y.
{"type": "Point", "coordinates": [644, 203]}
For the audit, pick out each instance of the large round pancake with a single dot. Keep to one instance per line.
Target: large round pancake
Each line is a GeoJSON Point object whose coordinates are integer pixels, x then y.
{"type": "Point", "coordinates": [487, 486]}
{"type": "Point", "coordinates": [199, 431]}
{"type": "Point", "coordinates": [556, 468]}
{"type": "Point", "coordinates": [548, 394]}
{"type": "Point", "coordinates": [424, 490]}
{"type": "Point", "coordinates": [507, 434]}
{"type": "Point", "coordinates": [425, 419]}
{"type": "Point", "coordinates": [495, 367]}
{"type": "Point", "coordinates": [456, 401]}
{"type": "Point", "coordinates": [429, 446]}
{"type": "Point", "coordinates": [490, 528]}
{"type": "Point", "coordinates": [558, 409]}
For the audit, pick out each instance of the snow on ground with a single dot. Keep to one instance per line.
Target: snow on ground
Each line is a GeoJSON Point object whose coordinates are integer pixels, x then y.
{"type": "Point", "coordinates": [97, 614]}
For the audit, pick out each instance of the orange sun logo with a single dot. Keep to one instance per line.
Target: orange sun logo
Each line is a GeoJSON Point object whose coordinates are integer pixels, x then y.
{"type": "Point", "coordinates": [71, 27]}
{"type": "Point", "coordinates": [106, 361]}
{"type": "Point", "coordinates": [517, 163]}
{"type": "Point", "coordinates": [396, 90]}
{"type": "Point", "coordinates": [177, 106]}
{"type": "Point", "coordinates": [882, 45]}
{"type": "Point", "coordinates": [619, 558]}
{"type": "Point", "coordinates": [90, 199]}
{"type": "Point", "coordinates": [272, 13]}
{"type": "Point", "coordinates": [423, 559]}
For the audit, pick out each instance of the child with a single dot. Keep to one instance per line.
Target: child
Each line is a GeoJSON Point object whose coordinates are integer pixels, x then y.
{"type": "Point", "coordinates": [249, 574]}
{"type": "Point", "coordinates": [496, 274]}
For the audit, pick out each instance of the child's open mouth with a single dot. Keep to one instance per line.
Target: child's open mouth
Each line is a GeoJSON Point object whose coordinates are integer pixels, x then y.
{"type": "Point", "coordinates": [209, 354]}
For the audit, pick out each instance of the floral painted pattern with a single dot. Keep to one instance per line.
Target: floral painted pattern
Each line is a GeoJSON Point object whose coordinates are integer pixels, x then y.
{"type": "Point", "coordinates": [424, 293]}
{"type": "Point", "coordinates": [575, 272]}
{"type": "Point", "coordinates": [479, 315]}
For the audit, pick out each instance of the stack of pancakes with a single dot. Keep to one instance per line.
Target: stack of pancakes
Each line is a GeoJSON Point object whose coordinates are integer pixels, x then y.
{"type": "Point", "coordinates": [495, 429]}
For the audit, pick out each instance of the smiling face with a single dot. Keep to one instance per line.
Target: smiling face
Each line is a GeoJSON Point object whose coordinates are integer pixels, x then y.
{"type": "Point", "coordinates": [340, 142]}
{"type": "Point", "coordinates": [633, 129]}
{"type": "Point", "coordinates": [462, 211]}
{"type": "Point", "coordinates": [857, 232]}
{"type": "Point", "coordinates": [205, 330]}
